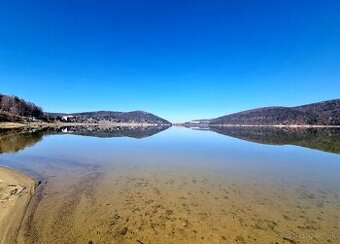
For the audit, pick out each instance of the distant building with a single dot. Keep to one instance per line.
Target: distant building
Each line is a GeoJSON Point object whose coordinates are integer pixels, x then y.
{"type": "Point", "coordinates": [66, 118]}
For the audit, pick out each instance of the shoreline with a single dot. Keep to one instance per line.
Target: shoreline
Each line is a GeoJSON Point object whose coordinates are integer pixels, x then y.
{"type": "Point", "coordinates": [274, 126]}
{"type": "Point", "coordinates": [16, 192]}
{"type": "Point", "coordinates": [277, 126]}
{"type": "Point", "coordinates": [39, 125]}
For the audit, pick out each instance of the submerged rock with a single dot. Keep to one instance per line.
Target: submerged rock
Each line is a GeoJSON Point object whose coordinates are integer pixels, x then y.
{"type": "Point", "coordinates": [123, 231]}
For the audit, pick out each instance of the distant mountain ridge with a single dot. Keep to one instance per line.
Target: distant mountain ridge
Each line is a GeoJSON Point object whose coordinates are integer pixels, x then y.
{"type": "Point", "coordinates": [197, 122]}
{"type": "Point", "coordinates": [15, 109]}
{"type": "Point", "coordinates": [108, 116]}
{"type": "Point", "coordinates": [321, 113]}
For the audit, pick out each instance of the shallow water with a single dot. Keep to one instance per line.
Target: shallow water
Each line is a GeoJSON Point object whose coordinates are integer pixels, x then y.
{"type": "Point", "coordinates": [180, 185]}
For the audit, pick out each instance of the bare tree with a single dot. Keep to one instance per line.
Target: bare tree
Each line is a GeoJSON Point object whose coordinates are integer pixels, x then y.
{"type": "Point", "coordinates": [16, 106]}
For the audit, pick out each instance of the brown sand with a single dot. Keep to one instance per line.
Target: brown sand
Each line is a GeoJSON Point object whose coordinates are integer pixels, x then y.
{"type": "Point", "coordinates": [131, 205]}
{"type": "Point", "coordinates": [16, 190]}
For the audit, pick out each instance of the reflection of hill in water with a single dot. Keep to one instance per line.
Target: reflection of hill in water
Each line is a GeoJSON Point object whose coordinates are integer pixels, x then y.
{"type": "Point", "coordinates": [325, 139]}
{"type": "Point", "coordinates": [117, 131]}
{"type": "Point", "coordinates": [14, 140]}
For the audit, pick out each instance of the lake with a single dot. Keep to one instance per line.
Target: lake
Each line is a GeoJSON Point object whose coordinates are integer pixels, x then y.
{"type": "Point", "coordinates": [179, 185]}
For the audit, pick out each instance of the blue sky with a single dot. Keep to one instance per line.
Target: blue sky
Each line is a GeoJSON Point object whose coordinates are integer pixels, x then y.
{"type": "Point", "coordinates": [181, 60]}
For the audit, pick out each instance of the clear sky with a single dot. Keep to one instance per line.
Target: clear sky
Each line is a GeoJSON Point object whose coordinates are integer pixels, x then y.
{"type": "Point", "coordinates": [180, 59]}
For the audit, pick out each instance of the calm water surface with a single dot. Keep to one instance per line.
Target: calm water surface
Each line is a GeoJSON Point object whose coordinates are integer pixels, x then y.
{"type": "Point", "coordinates": [180, 185]}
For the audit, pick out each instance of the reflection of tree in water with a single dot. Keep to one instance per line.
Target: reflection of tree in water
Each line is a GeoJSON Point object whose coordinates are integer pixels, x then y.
{"type": "Point", "coordinates": [14, 140]}
{"type": "Point", "coordinates": [324, 139]}
{"type": "Point", "coordinates": [117, 131]}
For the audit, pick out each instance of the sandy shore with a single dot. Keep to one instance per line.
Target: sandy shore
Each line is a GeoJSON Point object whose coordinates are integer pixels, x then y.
{"type": "Point", "coordinates": [16, 190]}
{"type": "Point", "coordinates": [14, 125]}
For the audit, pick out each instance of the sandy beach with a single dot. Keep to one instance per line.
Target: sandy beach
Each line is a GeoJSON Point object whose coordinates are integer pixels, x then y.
{"type": "Point", "coordinates": [16, 190]}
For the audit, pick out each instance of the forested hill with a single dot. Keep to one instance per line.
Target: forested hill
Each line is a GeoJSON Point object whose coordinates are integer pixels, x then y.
{"type": "Point", "coordinates": [108, 116]}
{"type": "Point", "coordinates": [14, 109]}
{"type": "Point", "coordinates": [321, 113]}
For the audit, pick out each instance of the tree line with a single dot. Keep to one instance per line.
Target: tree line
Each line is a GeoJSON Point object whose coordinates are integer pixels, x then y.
{"type": "Point", "coordinates": [14, 105]}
